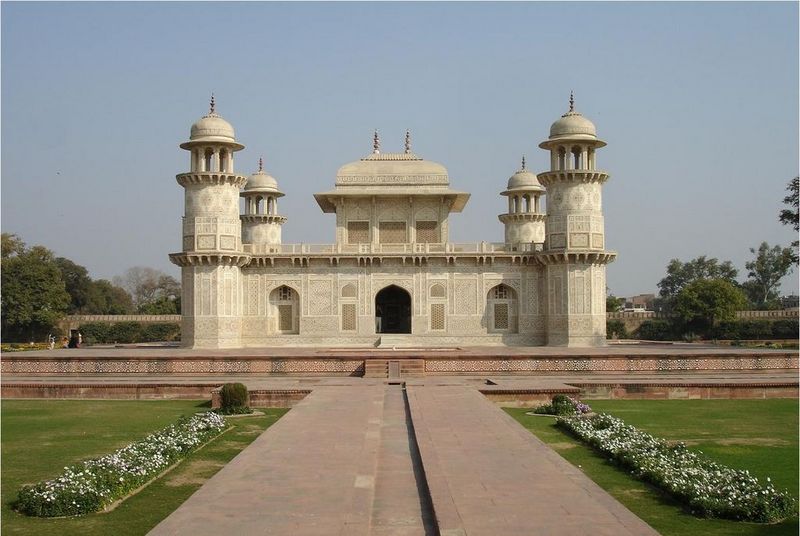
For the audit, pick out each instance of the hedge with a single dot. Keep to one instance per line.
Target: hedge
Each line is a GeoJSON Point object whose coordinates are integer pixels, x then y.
{"type": "Point", "coordinates": [128, 332]}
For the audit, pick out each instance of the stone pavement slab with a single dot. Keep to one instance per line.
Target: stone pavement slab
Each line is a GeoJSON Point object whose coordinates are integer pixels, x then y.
{"type": "Point", "coordinates": [311, 473]}
{"type": "Point", "coordinates": [489, 476]}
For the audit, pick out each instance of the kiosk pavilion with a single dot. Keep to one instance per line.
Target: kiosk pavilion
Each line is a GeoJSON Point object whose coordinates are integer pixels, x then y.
{"type": "Point", "coordinates": [392, 277]}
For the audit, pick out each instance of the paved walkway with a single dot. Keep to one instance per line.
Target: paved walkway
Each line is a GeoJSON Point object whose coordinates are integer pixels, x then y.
{"type": "Point", "coordinates": [344, 461]}
{"type": "Point", "coordinates": [489, 476]}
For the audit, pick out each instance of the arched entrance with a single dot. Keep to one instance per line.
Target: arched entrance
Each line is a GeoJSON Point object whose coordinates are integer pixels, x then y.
{"type": "Point", "coordinates": [393, 310]}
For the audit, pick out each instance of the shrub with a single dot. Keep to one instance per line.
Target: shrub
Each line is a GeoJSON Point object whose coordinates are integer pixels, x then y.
{"type": "Point", "coordinates": [161, 332]}
{"type": "Point", "coordinates": [129, 332]}
{"type": "Point", "coordinates": [234, 395]}
{"type": "Point", "coordinates": [755, 329]}
{"type": "Point", "coordinates": [785, 329]}
{"type": "Point", "coordinates": [126, 332]}
{"type": "Point", "coordinates": [92, 485]}
{"type": "Point", "coordinates": [95, 332]}
{"type": "Point", "coordinates": [563, 405]}
{"type": "Point", "coordinates": [616, 327]}
{"type": "Point", "coordinates": [656, 330]}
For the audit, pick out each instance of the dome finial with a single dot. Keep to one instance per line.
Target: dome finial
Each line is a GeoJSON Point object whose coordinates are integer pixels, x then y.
{"type": "Point", "coordinates": [213, 105]}
{"type": "Point", "coordinates": [376, 143]}
{"type": "Point", "coordinates": [260, 164]}
{"type": "Point", "coordinates": [408, 141]}
{"type": "Point", "coordinates": [523, 162]}
{"type": "Point", "coordinates": [571, 101]}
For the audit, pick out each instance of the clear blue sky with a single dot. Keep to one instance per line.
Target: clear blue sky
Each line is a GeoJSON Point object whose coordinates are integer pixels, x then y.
{"type": "Point", "coordinates": [698, 103]}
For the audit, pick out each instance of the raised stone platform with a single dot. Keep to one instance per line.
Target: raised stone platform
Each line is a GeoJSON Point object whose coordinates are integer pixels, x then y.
{"type": "Point", "coordinates": [309, 361]}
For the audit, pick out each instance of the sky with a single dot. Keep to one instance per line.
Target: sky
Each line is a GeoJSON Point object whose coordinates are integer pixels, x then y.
{"type": "Point", "coordinates": [698, 103]}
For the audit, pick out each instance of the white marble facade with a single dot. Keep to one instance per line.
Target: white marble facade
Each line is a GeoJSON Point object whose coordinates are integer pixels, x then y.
{"type": "Point", "coordinates": [392, 277]}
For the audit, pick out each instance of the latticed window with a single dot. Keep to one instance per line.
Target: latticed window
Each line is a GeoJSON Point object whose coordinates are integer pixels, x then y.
{"type": "Point", "coordinates": [348, 317]}
{"type": "Point", "coordinates": [500, 316]}
{"type": "Point", "coordinates": [349, 291]}
{"type": "Point", "coordinates": [285, 317]}
{"type": "Point", "coordinates": [500, 292]}
{"type": "Point", "coordinates": [392, 232]}
{"type": "Point", "coordinates": [437, 291]}
{"type": "Point", "coordinates": [357, 232]}
{"type": "Point", "coordinates": [285, 293]}
{"type": "Point", "coordinates": [437, 316]}
{"type": "Point", "coordinates": [427, 231]}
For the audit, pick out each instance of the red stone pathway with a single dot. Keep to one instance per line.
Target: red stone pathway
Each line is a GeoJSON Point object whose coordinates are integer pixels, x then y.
{"type": "Point", "coordinates": [489, 476]}
{"type": "Point", "coordinates": [344, 462]}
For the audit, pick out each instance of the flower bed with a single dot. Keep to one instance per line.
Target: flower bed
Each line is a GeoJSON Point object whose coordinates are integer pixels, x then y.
{"type": "Point", "coordinates": [92, 485]}
{"type": "Point", "coordinates": [707, 487]}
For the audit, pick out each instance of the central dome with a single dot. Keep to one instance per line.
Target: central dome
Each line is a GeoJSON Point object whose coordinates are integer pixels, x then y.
{"type": "Point", "coordinates": [392, 169]}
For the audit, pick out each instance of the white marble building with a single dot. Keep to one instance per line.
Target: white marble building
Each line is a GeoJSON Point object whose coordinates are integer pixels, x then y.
{"type": "Point", "coordinates": [393, 278]}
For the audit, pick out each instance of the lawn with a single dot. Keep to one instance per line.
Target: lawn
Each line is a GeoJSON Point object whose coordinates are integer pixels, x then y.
{"type": "Point", "coordinates": [758, 435]}
{"type": "Point", "coordinates": [40, 437]}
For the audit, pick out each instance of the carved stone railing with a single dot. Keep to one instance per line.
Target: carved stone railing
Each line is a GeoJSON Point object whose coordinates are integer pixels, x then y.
{"type": "Point", "coordinates": [384, 249]}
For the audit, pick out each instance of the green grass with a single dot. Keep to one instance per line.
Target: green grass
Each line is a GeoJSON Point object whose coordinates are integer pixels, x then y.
{"type": "Point", "coordinates": [40, 437]}
{"type": "Point", "coordinates": [759, 435]}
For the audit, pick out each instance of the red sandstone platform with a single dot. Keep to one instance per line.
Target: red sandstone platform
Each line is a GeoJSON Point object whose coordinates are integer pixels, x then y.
{"type": "Point", "coordinates": [303, 361]}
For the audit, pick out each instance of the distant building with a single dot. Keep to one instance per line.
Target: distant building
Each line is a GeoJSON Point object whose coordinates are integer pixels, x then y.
{"type": "Point", "coordinates": [392, 276]}
{"type": "Point", "coordinates": [640, 303]}
{"type": "Point", "coordinates": [790, 302]}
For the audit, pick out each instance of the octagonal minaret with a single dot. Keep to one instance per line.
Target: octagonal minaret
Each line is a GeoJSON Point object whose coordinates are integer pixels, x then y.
{"type": "Point", "coordinates": [261, 223]}
{"type": "Point", "coordinates": [212, 246]}
{"type": "Point", "coordinates": [574, 251]}
{"type": "Point", "coordinates": [524, 221]}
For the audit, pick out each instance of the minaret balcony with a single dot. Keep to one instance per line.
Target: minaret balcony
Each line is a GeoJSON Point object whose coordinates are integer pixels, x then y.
{"type": "Point", "coordinates": [209, 258]}
{"type": "Point", "coordinates": [210, 178]}
{"type": "Point", "coordinates": [522, 217]}
{"type": "Point", "coordinates": [263, 218]}
{"type": "Point", "coordinates": [546, 178]}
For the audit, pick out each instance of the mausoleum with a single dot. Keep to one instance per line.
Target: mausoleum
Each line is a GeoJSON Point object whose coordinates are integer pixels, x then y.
{"type": "Point", "coordinates": [392, 277]}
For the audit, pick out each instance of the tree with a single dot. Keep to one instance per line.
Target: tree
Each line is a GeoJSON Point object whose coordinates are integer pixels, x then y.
{"type": "Point", "coordinates": [33, 293]}
{"type": "Point", "coordinates": [108, 299]}
{"type": "Point", "coordinates": [165, 305]}
{"type": "Point", "coordinates": [77, 283]}
{"type": "Point", "coordinates": [12, 245]}
{"type": "Point", "coordinates": [614, 304]}
{"type": "Point", "coordinates": [148, 285]}
{"type": "Point", "coordinates": [680, 274]}
{"type": "Point", "coordinates": [765, 273]}
{"type": "Point", "coordinates": [791, 216]}
{"type": "Point", "coordinates": [709, 300]}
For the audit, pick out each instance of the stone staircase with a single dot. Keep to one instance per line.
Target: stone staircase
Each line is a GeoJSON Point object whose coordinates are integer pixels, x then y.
{"type": "Point", "coordinates": [394, 369]}
{"type": "Point", "coordinates": [394, 341]}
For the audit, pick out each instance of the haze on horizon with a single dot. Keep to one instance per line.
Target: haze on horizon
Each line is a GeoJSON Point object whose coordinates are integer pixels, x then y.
{"type": "Point", "coordinates": [698, 103]}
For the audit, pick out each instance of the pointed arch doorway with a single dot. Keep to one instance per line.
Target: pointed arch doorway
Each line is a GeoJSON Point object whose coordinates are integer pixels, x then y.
{"type": "Point", "coordinates": [392, 310]}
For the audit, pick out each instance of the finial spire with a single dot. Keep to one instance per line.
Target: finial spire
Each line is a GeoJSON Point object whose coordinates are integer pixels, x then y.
{"type": "Point", "coordinates": [571, 101]}
{"type": "Point", "coordinates": [408, 141]}
{"type": "Point", "coordinates": [376, 143]}
{"type": "Point", "coordinates": [260, 164]}
{"type": "Point", "coordinates": [213, 104]}
{"type": "Point", "coordinates": [523, 162]}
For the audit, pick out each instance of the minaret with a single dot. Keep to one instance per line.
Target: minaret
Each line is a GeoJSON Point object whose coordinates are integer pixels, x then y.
{"type": "Point", "coordinates": [261, 224]}
{"type": "Point", "coordinates": [574, 252]}
{"type": "Point", "coordinates": [212, 248]}
{"type": "Point", "coordinates": [524, 221]}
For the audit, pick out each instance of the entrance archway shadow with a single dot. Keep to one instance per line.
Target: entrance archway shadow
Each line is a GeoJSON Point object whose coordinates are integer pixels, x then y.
{"type": "Point", "coordinates": [393, 310]}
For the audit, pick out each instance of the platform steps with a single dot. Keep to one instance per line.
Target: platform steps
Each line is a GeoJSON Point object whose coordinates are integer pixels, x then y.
{"type": "Point", "coordinates": [394, 368]}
